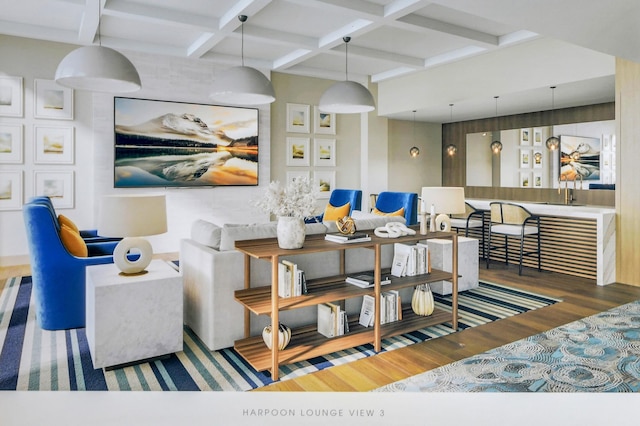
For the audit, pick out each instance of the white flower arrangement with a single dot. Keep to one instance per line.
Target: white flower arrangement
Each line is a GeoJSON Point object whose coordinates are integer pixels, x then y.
{"type": "Point", "coordinates": [296, 199]}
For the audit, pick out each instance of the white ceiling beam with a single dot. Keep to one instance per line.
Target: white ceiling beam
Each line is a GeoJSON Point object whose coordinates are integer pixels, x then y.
{"type": "Point", "coordinates": [155, 14]}
{"type": "Point", "coordinates": [38, 32]}
{"type": "Point", "coordinates": [366, 52]}
{"type": "Point", "coordinates": [90, 24]}
{"type": "Point", "coordinates": [361, 8]}
{"type": "Point", "coordinates": [421, 22]}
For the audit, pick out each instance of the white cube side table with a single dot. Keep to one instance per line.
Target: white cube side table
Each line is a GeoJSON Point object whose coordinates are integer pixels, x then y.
{"type": "Point", "coordinates": [440, 250]}
{"type": "Point", "coordinates": [133, 318]}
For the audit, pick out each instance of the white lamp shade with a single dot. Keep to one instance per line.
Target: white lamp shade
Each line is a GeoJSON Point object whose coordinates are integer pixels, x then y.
{"type": "Point", "coordinates": [98, 69]}
{"type": "Point", "coordinates": [445, 199]}
{"type": "Point", "coordinates": [242, 86]}
{"type": "Point", "coordinates": [132, 215]}
{"type": "Point", "coordinates": [346, 97]}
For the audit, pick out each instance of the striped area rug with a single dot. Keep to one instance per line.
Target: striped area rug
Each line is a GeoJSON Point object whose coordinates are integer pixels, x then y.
{"type": "Point", "coordinates": [36, 359]}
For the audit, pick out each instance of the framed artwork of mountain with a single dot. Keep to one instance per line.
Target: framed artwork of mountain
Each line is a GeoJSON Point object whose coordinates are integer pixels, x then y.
{"type": "Point", "coordinates": [178, 144]}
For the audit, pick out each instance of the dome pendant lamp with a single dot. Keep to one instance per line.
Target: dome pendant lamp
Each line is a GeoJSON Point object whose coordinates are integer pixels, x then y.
{"type": "Point", "coordinates": [242, 85]}
{"type": "Point", "coordinates": [98, 69]}
{"type": "Point", "coordinates": [346, 97]}
{"type": "Point", "coordinates": [553, 142]}
{"type": "Point", "coordinates": [496, 146]}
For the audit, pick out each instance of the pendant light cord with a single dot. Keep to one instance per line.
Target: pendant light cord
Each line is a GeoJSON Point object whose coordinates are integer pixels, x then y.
{"type": "Point", "coordinates": [346, 40]}
{"type": "Point", "coordinates": [242, 19]}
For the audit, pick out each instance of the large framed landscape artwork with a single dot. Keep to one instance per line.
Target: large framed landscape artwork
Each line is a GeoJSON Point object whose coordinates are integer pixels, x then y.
{"type": "Point", "coordinates": [177, 144]}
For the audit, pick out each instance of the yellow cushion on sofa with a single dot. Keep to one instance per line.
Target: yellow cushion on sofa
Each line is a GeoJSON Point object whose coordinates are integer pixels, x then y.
{"type": "Point", "coordinates": [73, 242]}
{"type": "Point", "coordinates": [399, 212]}
{"type": "Point", "coordinates": [63, 220]}
{"type": "Point", "coordinates": [335, 213]}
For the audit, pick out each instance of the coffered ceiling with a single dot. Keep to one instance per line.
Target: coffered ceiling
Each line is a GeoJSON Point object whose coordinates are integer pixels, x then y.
{"type": "Point", "coordinates": [390, 38]}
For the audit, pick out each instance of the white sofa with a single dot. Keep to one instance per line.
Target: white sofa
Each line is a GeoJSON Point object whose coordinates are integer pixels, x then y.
{"type": "Point", "coordinates": [212, 270]}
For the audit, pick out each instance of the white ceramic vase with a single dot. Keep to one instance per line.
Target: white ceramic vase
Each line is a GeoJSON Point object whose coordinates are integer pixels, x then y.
{"type": "Point", "coordinates": [284, 336]}
{"type": "Point", "coordinates": [291, 232]}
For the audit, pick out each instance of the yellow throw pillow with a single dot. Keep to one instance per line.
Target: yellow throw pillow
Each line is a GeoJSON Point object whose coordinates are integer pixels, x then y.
{"type": "Point", "coordinates": [334, 213]}
{"type": "Point", "coordinates": [399, 212]}
{"type": "Point", "coordinates": [73, 242]}
{"type": "Point", "coordinates": [63, 220]}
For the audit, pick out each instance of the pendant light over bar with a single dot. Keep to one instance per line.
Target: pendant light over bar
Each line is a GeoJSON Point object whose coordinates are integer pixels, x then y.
{"type": "Point", "coordinates": [98, 69]}
{"type": "Point", "coordinates": [414, 151]}
{"type": "Point", "coordinates": [451, 149]}
{"type": "Point", "coordinates": [242, 85]}
{"type": "Point", "coordinates": [553, 142]}
{"type": "Point", "coordinates": [496, 146]}
{"type": "Point", "coordinates": [346, 97]}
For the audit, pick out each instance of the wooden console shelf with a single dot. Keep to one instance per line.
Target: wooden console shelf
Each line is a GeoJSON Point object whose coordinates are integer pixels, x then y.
{"type": "Point", "coordinates": [306, 342]}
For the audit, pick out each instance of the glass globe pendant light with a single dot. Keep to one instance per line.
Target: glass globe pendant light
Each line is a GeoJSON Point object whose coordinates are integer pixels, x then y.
{"type": "Point", "coordinates": [496, 146]}
{"type": "Point", "coordinates": [451, 149]}
{"type": "Point", "coordinates": [414, 151]}
{"type": "Point", "coordinates": [552, 142]}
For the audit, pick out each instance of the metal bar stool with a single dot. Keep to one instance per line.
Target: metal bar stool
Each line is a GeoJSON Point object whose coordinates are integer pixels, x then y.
{"type": "Point", "coordinates": [471, 218]}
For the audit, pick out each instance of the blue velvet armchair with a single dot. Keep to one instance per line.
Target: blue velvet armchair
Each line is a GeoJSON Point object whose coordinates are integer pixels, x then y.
{"type": "Point", "coordinates": [340, 197]}
{"type": "Point", "coordinates": [389, 202]}
{"type": "Point", "coordinates": [58, 277]}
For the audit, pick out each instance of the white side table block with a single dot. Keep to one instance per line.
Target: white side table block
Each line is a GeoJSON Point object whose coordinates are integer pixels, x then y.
{"type": "Point", "coordinates": [467, 263]}
{"type": "Point", "coordinates": [132, 318]}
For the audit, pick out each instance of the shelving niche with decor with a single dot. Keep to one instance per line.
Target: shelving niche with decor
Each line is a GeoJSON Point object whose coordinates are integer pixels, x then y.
{"type": "Point", "coordinates": [306, 342]}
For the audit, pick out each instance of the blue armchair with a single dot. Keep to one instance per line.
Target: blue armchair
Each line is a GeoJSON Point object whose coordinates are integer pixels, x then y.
{"type": "Point", "coordinates": [340, 197]}
{"type": "Point", "coordinates": [58, 276]}
{"type": "Point", "coordinates": [389, 202]}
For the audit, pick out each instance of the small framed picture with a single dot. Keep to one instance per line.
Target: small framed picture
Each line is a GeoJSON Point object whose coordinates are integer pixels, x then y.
{"type": "Point", "coordinates": [525, 180]}
{"type": "Point", "coordinates": [292, 175]}
{"type": "Point", "coordinates": [53, 144]}
{"type": "Point", "coordinates": [298, 118]}
{"type": "Point", "coordinates": [11, 190]}
{"type": "Point", "coordinates": [58, 185]}
{"type": "Point", "coordinates": [537, 179]}
{"type": "Point", "coordinates": [537, 159]}
{"type": "Point", "coordinates": [298, 152]}
{"type": "Point", "coordinates": [606, 143]}
{"type": "Point", "coordinates": [324, 152]}
{"type": "Point", "coordinates": [537, 136]}
{"type": "Point", "coordinates": [11, 143]}
{"type": "Point", "coordinates": [324, 123]}
{"type": "Point", "coordinates": [525, 158]}
{"type": "Point", "coordinates": [53, 101]}
{"type": "Point", "coordinates": [325, 181]}
{"type": "Point", "coordinates": [525, 136]}
{"type": "Point", "coordinates": [11, 96]}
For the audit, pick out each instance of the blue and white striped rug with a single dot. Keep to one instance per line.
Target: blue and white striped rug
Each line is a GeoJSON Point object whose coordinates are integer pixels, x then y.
{"type": "Point", "coordinates": [36, 359]}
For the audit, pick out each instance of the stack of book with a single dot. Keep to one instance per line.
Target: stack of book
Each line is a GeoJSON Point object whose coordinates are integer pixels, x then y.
{"type": "Point", "coordinates": [390, 308]}
{"type": "Point", "coordinates": [332, 320]}
{"type": "Point", "coordinates": [366, 279]}
{"type": "Point", "coordinates": [410, 260]}
{"type": "Point", "coordinates": [357, 237]}
{"type": "Point", "coordinates": [291, 280]}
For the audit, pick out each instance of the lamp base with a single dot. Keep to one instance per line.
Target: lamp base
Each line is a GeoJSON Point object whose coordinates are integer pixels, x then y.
{"type": "Point", "coordinates": [121, 259]}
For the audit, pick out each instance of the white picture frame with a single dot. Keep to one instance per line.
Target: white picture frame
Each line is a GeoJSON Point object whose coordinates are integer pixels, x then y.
{"type": "Point", "coordinates": [537, 180]}
{"type": "Point", "coordinates": [324, 152]}
{"type": "Point", "coordinates": [10, 190]}
{"type": "Point", "coordinates": [11, 96]}
{"type": "Point", "coordinates": [525, 136]}
{"type": "Point", "coordinates": [53, 144]}
{"type": "Point", "coordinates": [537, 159]}
{"type": "Point", "coordinates": [325, 181]}
{"type": "Point", "coordinates": [58, 185]}
{"type": "Point", "coordinates": [298, 118]}
{"type": "Point", "coordinates": [525, 180]}
{"type": "Point", "coordinates": [11, 144]}
{"type": "Point", "coordinates": [298, 152]}
{"type": "Point", "coordinates": [537, 136]}
{"type": "Point", "coordinates": [52, 101]}
{"type": "Point", "coordinates": [324, 123]}
{"type": "Point", "coordinates": [525, 158]}
{"type": "Point", "coordinates": [298, 173]}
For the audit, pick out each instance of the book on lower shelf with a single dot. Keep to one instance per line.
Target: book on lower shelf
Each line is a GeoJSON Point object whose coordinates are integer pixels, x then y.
{"type": "Point", "coordinates": [390, 308]}
{"type": "Point", "coordinates": [348, 238]}
{"type": "Point", "coordinates": [366, 279]}
{"type": "Point", "coordinates": [332, 320]}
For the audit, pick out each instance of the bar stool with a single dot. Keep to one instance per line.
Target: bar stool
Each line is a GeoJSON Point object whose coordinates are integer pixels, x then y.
{"type": "Point", "coordinates": [513, 221]}
{"type": "Point", "coordinates": [471, 218]}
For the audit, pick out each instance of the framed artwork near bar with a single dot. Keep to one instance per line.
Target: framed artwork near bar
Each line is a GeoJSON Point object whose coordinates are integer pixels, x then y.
{"type": "Point", "coordinates": [52, 101]}
{"type": "Point", "coordinates": [11, 144]}
{"type": "Point", "coordinates": [58, 185]}
{"type": "Point", "coordinates": [525, 180]}
{"type": "Point", "coordinates": [324, 152]}
{"type": "Point", "coordinates": [537, 159]}
{"type": "Point", "coordinates": [325, 181]}
{"type": "Point", "coordinates": [537, 179]}
{"type": "Point", "coordinates": [298, 118]}
{"type": "Point", "coordinates": [53, 144]}
{"type": "Point", "coordinates": [525, 158]}
{"type": "Point", "coordinates": [294, 174]}
{"type": "Point", "coordinates": [537, 136]}
{"type": "Point", "coordinates": [324, 123]}
{"type": "Point", "coordinates": [298, 152]}
{"type": "Point", "coordinates": [11, 190]}
{"type": "Point", "coordinates": [525, 136]}
{"type": "Point", "coordinates": [11, 96]}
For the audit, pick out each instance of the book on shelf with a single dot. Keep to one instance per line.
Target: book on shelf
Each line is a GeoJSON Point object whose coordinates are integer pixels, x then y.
{"type": "Point", "coordinates": [390, 308]}
{"type": "Point", "coordinates": [366, 279]}
{"type": "Point", "coordinates": [410, 260]}
{"type": "Point", "coordinates": [348, 238]}
{"type": "Point", "coordinates": [366, 311]}
{"type": "Point", "coordinates": [325, 320]}
{"type": "Point", "coordinates": [291, 280]}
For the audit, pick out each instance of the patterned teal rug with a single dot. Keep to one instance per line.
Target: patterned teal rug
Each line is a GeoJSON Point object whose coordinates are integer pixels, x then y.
{"type": "Point", "coordinates": [600, 353]}
{"type": "Point", "coordinates": [36, 359]}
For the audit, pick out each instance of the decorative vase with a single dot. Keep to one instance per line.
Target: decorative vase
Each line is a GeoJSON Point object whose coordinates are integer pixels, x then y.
{"type": "Point", "coordinates": [291, 232]}
{"type": "Point", "coordinates": [422, 300]}
{"type": "Point", "coordinates": [284, 336]}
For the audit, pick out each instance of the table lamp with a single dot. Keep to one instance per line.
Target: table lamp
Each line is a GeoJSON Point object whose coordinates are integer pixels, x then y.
{"type": "Point", "coordinates": [132, 216]}
{"type": "Point", "coordinates": [444, 200]}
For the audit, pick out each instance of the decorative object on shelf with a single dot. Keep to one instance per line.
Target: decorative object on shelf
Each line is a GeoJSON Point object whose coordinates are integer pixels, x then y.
{"type": "Point", "coordinates": [423, 223]}
{"type": "Point", "coordinates": [242, 85]}
{"type": "Point", "coordinates": [422, 300]}
{"type": "Point", "coordinates": [284, 336]}
{"type": "Point", "coordinates": [291, 204]}
{"type": "Point", "coordinates": [346, 225]}
{"type": "Point", "coordinates": [346, 97]}
{"type": "Point", "coordinates": [444, 200]}
{"type": "Point", "coordinates": [132, 216]}
{"type": "Point", "coordinates": [393, 230]}
{"type": "Point", "coordinates": [443, 222]}
{"type": "Point", "coordinates": [553, 143]}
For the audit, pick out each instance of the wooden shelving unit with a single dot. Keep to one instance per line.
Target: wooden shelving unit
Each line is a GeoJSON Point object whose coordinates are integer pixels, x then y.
{"type": "Point", "coordinates": [306, 342]}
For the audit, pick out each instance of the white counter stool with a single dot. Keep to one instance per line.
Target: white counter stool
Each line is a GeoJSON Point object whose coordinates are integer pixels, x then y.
{"type": "Point", "coordinates": [470, 219]}
{"type": "Point", "coordinates": [513, 221]}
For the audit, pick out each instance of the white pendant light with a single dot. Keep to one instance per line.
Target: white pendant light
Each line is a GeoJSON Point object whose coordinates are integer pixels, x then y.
{"type": "Point", "coordinates": [242, 85]}
{"type": "Point", "coordinates": [346, 97]}
{"type": "Point", "coordinates": [98, 69]}
{"type": "Point", "coordinates": [553, 142]}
